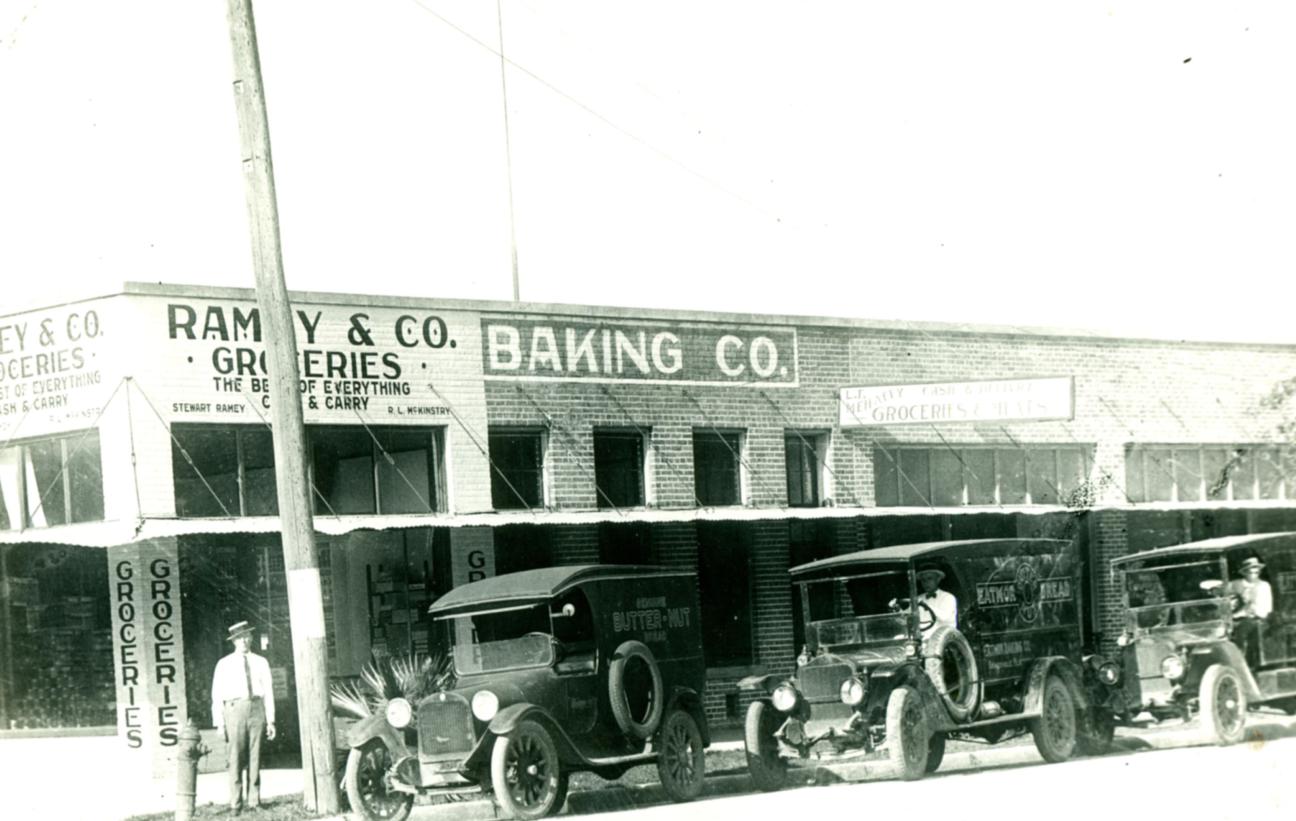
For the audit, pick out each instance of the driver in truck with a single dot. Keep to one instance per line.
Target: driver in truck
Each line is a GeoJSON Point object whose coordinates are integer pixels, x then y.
{"type": "Point", "coordinates": [943, 604]}
{"type": "Point", "coordinates": [1254, 603]}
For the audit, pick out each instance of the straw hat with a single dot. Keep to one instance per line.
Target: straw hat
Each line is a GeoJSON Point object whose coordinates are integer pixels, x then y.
{"type": "Point", "coordinates": [931, 571]}
{"type": "Point", "coordinates": [1250, 564]}
{"type": "Point", "coordinates": [241, 628]}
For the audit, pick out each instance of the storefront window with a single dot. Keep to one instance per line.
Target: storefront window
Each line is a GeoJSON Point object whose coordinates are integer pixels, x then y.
{"type": "Point", "coordinates": [56, 653]}
{"type": "Point", "coordinates": [54, 481]}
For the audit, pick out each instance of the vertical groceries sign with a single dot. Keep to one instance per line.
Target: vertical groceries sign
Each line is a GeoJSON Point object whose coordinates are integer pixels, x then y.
{"type": "Point", "coordinates": [998, 400]}
{"type": "Point", "coordinates": [148, 651]}
{"type": "Point", "coordinates": [553, 349]}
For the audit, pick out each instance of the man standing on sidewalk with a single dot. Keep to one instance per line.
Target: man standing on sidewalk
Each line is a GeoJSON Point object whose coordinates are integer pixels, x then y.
{"type": "Point", "coordinates": [243, 708]}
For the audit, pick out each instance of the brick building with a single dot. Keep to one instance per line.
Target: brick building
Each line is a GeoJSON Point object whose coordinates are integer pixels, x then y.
{"type": "Point", "coordinates": [453, 439]}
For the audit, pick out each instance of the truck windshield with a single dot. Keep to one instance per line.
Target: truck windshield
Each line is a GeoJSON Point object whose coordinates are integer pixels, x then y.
{"type": "Point", "coordinates": [1177, 595]}
{"type": "Point", "coordinates": [501, 640]}
{"type": "Point", "coordinates": [855, 610]}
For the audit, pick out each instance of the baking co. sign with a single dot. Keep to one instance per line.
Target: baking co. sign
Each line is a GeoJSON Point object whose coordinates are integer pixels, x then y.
{"type": "Point", "coordinates": [638, 352]}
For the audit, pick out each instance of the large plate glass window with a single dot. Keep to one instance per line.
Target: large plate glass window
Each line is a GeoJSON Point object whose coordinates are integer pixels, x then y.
{"type": "Point", "coordinates": [378, 470]}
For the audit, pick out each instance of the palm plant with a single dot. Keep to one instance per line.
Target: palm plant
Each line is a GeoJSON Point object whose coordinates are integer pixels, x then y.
{"type": "Point", "coordinates": [411, 676]}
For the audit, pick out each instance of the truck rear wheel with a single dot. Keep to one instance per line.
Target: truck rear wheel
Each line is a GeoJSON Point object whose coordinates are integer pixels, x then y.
{"type": "Point", "coordinates": [1055, 728]}
{"type": "Point", "coordinates": [1223, 704]}
{"type": "Point", "coordinates": [908, 737]}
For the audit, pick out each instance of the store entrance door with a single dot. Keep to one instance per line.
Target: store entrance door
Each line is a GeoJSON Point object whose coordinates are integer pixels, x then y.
{"type": "Point", "coordinates": [227, 579]}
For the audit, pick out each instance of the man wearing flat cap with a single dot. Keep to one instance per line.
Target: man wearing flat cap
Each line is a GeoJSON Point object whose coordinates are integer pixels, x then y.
{"type": "Point", "coordinates": [243, 709]}
{"type": "Point", "coordinates": [1253, 602]}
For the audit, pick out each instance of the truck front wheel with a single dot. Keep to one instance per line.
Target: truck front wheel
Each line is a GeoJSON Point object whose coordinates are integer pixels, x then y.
{"type": "Point", "coordinates": [1055, 729]}
{"type": "Point", "coordinates": [1223, 704]}
{"type": "Point", "coordinates": [908, 737]}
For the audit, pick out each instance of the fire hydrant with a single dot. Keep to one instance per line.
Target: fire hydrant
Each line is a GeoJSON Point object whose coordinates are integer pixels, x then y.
{"type": "Point", "coordinates": [190, 749]}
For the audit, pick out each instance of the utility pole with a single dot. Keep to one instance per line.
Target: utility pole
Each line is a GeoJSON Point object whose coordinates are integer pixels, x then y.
{"type": "Point", "coordinates": [305, 601]}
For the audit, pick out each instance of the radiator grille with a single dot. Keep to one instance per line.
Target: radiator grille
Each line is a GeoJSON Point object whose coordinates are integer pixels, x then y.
{"type": "Point", "coordinates": [822, 682]}
{"type": "Point", "coordinates": [445, 726]}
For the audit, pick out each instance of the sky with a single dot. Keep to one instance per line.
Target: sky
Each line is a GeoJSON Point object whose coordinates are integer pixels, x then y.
{"type": "Point", "coordinates": [1122, 167]}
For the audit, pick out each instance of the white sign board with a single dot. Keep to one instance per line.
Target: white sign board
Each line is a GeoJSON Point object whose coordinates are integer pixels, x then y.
{"type": "Point", "coordinates": [998, 400]}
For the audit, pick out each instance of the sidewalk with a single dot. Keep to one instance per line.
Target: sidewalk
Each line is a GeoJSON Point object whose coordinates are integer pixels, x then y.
{"type": "Point", "coordinates": [83, 777]}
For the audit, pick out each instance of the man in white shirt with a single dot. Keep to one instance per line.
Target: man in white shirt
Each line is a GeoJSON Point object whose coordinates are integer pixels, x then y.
{"type": "Point", "coordinates": [243, 709]}
{"type": "Point", "coordinates": [1253, 603]}
{"type": "Point", "coordinates": [941, 602]}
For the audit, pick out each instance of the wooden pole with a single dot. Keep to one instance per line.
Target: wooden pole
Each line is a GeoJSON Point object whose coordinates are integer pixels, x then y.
{"type": "Point", "coordinates": [305, 602]}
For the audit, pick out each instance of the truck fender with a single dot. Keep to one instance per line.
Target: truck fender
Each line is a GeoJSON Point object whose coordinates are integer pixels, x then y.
{"type": "Point", "coordinates": [1063, 668]}
{"type": "Point", "coordinates": [886, 678]}
{"type": "Point", "coordinates": [507, 720]}
{"type": "Point", "coordinates": [688, 700]}
{"type": "Point", "coordinates": [761, 684]}
{"type": "Point", "coordinates": [1221, 652]}
{"type": "Point", "coordinates": [376, 726]}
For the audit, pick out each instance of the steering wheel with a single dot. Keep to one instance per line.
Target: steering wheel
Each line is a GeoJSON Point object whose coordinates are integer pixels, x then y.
{"type": "Point", "coordinates": [923, 606]}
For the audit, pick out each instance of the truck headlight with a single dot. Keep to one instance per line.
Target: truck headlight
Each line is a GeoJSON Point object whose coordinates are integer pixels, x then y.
{"type": "Point", "coordinates": [1109, 673]}
{"type": "Point", "coordinates": [1172, 667]}
{"type": "Point", "coordinates": [852, 691]}
{"type": "Point", "coordinates": [784, 698]}
{"type": "Point", "coordinates": [399, 713]}
{"type": "Point", "coordinates": [485, 705]}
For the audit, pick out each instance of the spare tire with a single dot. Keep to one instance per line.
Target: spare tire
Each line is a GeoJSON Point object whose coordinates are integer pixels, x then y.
{"type": "Point", "coordinates": [626, 657]}
{"type": "Point", "coordinates": [946, 649]}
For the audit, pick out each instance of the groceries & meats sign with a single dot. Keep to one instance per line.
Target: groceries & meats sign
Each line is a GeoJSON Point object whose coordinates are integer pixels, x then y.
{"type": "Point", "coordinates": [628, 351]}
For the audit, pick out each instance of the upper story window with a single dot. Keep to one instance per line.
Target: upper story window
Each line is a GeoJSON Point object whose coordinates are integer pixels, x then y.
{"type": "Point", "coordinates": [378, 470]}
{"type": "Point", "coordinates": [806, 454]}
{"type": "Point", "coordinates": [223, 471]}
{"type": "Point", "coordinates": [52, 481]}
{"type": "Point", "coordinates": [1192, 473]}
{"type": "Point", "coordinates": [517, 457]}
{"type": "Point", "coordinates": [619, 468]}
{"type": "Point", "coordinates": [717, 467]}
{"type": "Point", "coordinates": [229, 470]}
{"type": "Point", "coordinates": [977, 475]}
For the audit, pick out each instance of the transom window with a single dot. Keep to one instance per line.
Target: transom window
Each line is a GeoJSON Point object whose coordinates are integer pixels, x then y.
{"type": "Point", "coordinates": [977, 475]}
{"type": "Point", "coordinates": [1193, 473]}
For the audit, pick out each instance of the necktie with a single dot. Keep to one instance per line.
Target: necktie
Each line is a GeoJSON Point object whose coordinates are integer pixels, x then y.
{"type": "Point", "coordinates": [247, 675]}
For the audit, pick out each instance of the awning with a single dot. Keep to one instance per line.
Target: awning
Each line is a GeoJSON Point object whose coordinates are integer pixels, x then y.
{"type": "Point", "coordinates": [106, 534]}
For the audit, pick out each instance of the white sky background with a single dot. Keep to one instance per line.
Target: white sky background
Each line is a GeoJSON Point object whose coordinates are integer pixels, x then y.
{"type": "Point", "coordinates": [1007, 163]}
